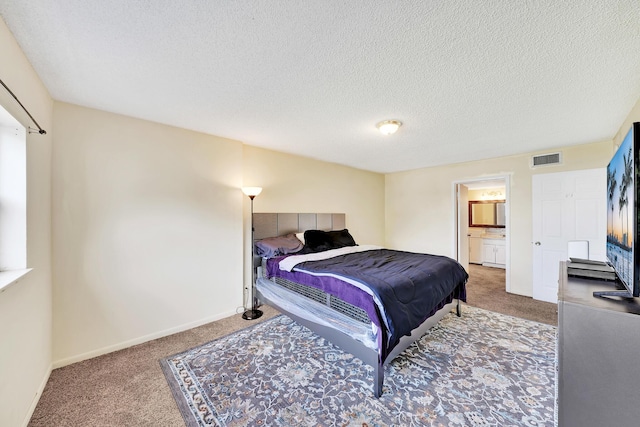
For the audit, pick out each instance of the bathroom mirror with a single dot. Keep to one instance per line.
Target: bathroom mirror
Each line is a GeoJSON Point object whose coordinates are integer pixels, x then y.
{"type": "Point", "coordinates": [486, 213]}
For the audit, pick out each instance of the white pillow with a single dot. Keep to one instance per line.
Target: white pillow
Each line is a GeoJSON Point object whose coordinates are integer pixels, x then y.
{"type": "Point", "coordinates": [300, 237]}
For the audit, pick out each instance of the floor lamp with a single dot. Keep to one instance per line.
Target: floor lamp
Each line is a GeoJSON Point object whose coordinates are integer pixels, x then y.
{"type": "Point", "coordinates": [253, 312]}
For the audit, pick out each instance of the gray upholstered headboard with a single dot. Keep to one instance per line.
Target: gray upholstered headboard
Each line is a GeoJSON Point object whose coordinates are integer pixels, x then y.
{"type": "Point", "coordinates": [277, 224]}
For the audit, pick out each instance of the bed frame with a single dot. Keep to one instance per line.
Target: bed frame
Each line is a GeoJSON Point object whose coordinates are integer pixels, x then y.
{"type": "Point", "coordinates": [276, 224]}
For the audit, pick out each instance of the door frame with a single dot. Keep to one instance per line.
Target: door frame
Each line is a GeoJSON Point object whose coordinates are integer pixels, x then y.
{"type": "Point", "coordinates": [456, 211]}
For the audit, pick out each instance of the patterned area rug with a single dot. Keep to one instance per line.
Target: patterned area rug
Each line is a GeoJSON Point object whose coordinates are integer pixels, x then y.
{"type": "Point", "coordinates": [483, 369]}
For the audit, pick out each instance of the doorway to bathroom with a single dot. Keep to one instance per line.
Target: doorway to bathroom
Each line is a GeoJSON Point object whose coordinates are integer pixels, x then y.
{"type": "Point", "coordinates": [482, 231]}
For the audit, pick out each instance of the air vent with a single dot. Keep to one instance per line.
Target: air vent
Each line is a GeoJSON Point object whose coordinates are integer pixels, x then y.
{"type": "Point", "coordinates": [546, 159]}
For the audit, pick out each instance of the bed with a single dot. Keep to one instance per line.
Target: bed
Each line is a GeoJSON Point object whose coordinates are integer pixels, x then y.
{"type": "Point", "coordinates": [370, 301]}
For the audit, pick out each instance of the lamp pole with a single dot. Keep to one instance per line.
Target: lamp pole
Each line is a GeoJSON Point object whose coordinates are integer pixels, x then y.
{"type": "Point", "coordinates": [253, 312]}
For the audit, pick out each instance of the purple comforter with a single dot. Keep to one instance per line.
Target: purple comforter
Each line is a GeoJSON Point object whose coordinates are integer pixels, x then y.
{"type": "Point", "coordinates": [411, 286]}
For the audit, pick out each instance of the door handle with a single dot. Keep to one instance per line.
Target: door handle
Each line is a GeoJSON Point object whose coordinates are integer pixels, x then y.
{"type": "Point", "coordinates": [537, 243]}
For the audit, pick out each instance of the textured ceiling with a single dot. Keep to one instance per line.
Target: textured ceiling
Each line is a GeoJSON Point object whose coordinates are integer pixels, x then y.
{"type": "Point", "coordinates": [469, 79]}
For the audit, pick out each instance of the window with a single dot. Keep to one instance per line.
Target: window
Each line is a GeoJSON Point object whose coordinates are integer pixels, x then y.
{"type": "Point", "coordinates": [13, 197]}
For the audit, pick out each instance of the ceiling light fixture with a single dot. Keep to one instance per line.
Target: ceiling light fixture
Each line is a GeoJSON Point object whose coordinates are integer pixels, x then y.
{"type": "Point", "coordinates": [389, 127]}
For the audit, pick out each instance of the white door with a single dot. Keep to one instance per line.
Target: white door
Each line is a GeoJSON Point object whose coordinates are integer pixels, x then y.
{"type": "Point", "coordinates": [566, 206]}
{"type": "Point", "coordinates": [463, 226]}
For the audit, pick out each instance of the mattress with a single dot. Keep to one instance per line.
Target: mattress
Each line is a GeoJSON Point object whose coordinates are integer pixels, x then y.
{"type": "Point", "coordinates": [319, 312]}
{"type": "Point", "coordinates": [396, 290]}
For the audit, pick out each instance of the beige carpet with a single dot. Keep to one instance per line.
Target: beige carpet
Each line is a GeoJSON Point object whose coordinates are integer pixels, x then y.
{"type": "Point", "coordinates": [128, 388]}
{"type": "Point", "coordinates": [486, 289]}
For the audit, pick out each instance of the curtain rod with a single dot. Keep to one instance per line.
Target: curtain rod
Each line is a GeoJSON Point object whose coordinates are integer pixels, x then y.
{"type": "Point", "coordinates": [40, 130]}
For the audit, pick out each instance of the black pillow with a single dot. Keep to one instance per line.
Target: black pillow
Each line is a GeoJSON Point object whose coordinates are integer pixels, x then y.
{"type": "Point", "coordinates": [342, 238]}
{"type": "Point", "coordinates": [318, 240]}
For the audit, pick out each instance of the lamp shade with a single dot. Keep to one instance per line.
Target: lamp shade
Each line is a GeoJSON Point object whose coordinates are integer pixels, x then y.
{"type": "Point", "coordinates": [252, 191]}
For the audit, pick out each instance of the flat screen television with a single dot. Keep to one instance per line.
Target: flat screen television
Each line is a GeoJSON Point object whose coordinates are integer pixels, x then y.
{"type": "Point", "coordinates": [622, 215]}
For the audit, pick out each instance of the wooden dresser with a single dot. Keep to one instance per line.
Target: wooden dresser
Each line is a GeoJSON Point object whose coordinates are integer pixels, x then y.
{"type": "Point", "coordinates": [598, 355]}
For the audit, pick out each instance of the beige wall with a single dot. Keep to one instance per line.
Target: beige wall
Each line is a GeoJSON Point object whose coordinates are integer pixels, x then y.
{"type": "Point", "coordinates": [25, 307]}
{"type": "Point", "coordinates": [420, 213]}
{"type": "Point", "coordinates": [297, 184]}
{"type": "Point", "coordinates": [147, 231]}
{"type": "Point", "coordinates": [145, 214]}
{"type": "Point", "coordinates": [634, 116]}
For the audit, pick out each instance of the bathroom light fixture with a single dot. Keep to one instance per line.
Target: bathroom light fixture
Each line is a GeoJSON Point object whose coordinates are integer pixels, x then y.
{"type": "Point", "coordinates": [389, 127]}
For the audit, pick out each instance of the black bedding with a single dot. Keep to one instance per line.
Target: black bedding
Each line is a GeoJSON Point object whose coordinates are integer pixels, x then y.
{"type": "Point", "coordinates": [409, 285]}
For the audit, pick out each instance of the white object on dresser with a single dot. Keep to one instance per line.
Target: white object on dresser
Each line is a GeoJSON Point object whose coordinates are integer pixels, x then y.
{"type": "Point", "coordinates": [578, 249]}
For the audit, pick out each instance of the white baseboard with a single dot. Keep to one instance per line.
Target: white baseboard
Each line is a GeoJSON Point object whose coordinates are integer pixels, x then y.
{"type": "Point", "coordinates": [36, 398]}
{"type": "Point", "coordinates": [109, 349]}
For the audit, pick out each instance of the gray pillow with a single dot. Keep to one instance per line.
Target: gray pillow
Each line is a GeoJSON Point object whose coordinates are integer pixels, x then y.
{"type": "Point", "coordinates": [276, 246]}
